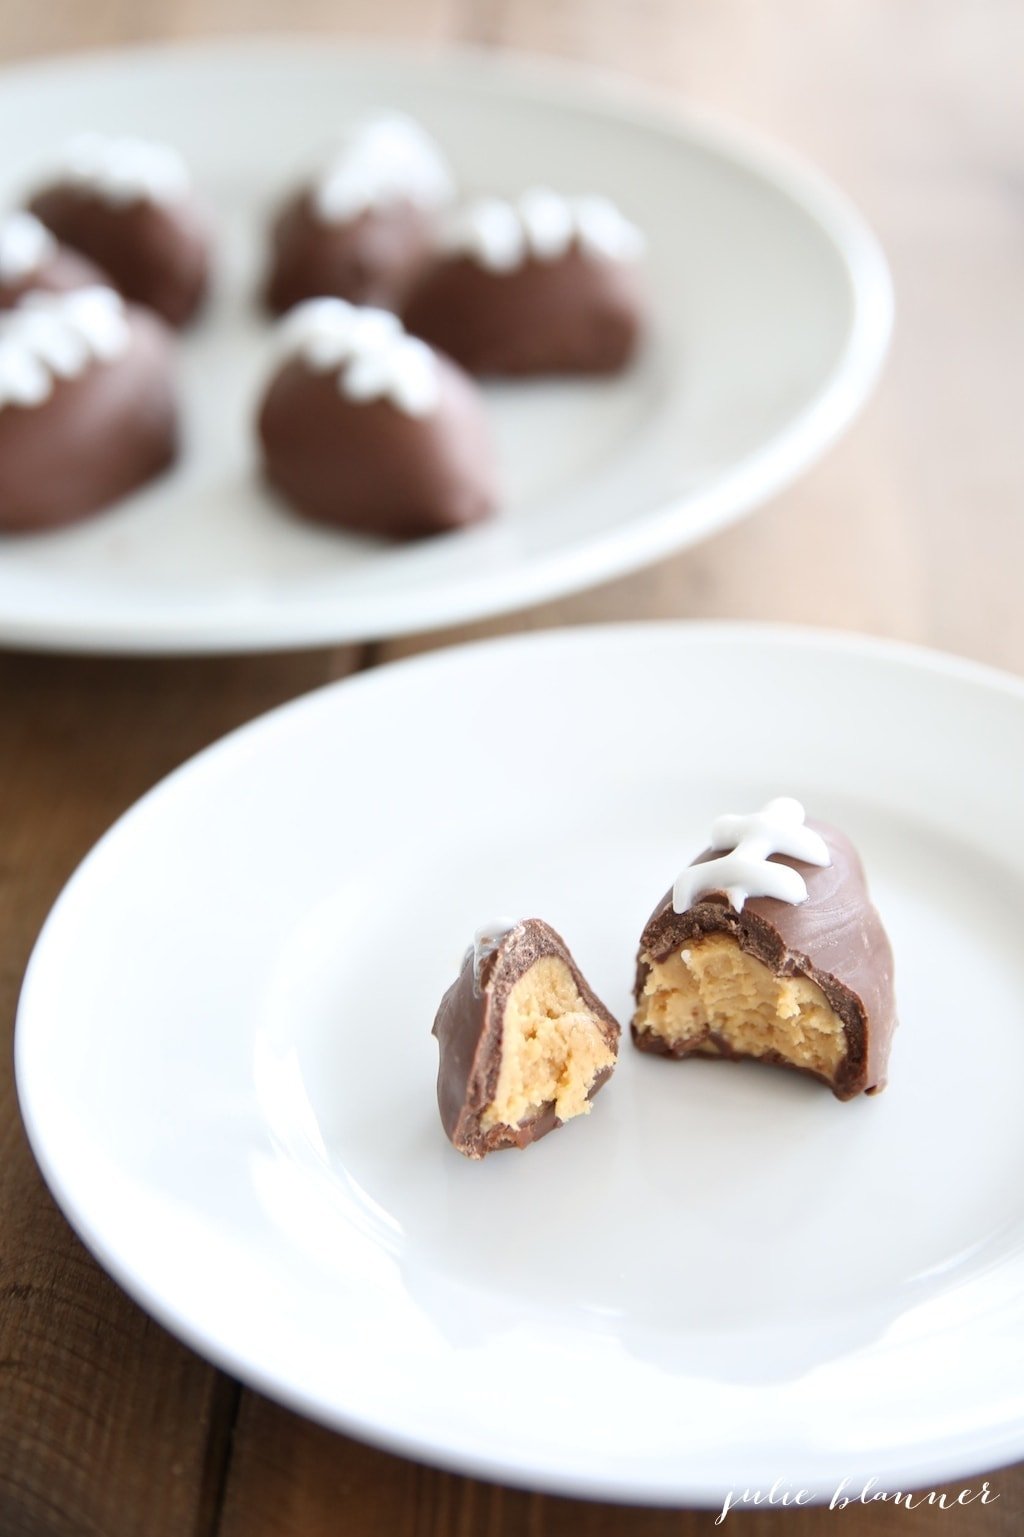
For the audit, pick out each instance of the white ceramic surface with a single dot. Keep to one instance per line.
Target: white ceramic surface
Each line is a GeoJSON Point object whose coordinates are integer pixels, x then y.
{"type": "Point", "coordinates": [723, 1276]}
{"type": "Point", "coordinates": [772, 307]}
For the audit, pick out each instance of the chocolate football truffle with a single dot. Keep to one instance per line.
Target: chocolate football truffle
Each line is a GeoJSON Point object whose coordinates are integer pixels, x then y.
{"type": "Point", "coordinates": [128, 205]}
{"type": "Point", "coordinates": [364, 228]}
{"type": "Point", "coordinates": [524, 1043]}
{"type": "Point", "coordinates": [768, 947]}
{"type": "Point", "coordinates": [544, 285]}
{"type": "Point", "coordinates": [367, 428]}
{"type": "Point", "coordinates": [30, 258]}
{"type": "Point", "coordinates": [87, 409]}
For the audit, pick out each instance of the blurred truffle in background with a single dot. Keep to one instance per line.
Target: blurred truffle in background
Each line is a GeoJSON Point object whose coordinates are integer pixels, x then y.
{"type": "Point", "coordinates": [127, 204]}
{"type": "Point", "coordinates": [546, 284]}
{"type": "Point", "coordinates": [87, 405]}
{"type": "Point", "coordinates": [364, 427]}
{"type": "Point", "coordinates": [363, 228]}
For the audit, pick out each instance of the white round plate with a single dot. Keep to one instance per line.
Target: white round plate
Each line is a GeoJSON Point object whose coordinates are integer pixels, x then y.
{"type": "Point", "coordinates": [772, 313]}
{"type": "Point", "coordinates": [721, 1277]}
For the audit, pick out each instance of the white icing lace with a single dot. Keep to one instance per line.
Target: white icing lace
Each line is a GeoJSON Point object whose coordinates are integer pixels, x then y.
{"type": "Point", "coordinates": [58, 336]}
{"type": "Point", "coordinates": [383, 161]}
{"type": "Point", "coordinates": [543, 225]}
{"type": "Point", "coordinates": [25, 244]}
{"type": "Point", "coordinates": [374, 356]}
{"type": "Point", "coordinates": [747, 871]}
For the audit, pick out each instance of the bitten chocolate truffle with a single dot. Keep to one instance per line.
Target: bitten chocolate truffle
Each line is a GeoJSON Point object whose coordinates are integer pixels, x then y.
{"type": "Point", "coordinates": [364, 228]}
{"type": "Point", "coordinates": [524, 1043]}
{"type": "Point", "coordinates": [768, 946]}
{"type": "Point", "coordinates": [544, 285]}
{"type": "Point", "coordinates": [128, 206]}
{"type": "Point", "coordinates": [367, 428]}
{"type": "Point", "coordinates": [30, 259]}
{"type": "Point", "coordinates": [87, 410]}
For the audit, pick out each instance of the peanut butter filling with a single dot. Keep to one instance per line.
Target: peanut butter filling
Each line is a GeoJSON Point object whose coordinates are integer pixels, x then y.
{"type": "Point", "coordinates": [713, 995]}
{"type": "Point", "coordinates": [552, 1048]}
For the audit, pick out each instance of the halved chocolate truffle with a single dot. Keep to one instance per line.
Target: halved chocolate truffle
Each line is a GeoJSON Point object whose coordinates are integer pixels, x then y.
{"type": "Point", "coordinates": [87, 410]}
{"type": "Point", "coordinates": [524, 1043]}
{"type": "Point", "coordinates": [367, 428]}
{"type": "Point", "coordinates": [544, 285]}
{"type": "Point", "coordinates": [30, 259]}
{"type": "Point", "coordinates": [364, 228]}
{"type": "Point", "coordinates": [128, 205]}
{"type": "Point", "coordinates": [768, 947]}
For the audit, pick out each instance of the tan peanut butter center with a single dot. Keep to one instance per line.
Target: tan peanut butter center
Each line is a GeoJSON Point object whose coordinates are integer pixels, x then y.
{"type": "Point", "coordinates": [552, 1048]}
{"type": "Point", "coordinates": [713, 992]}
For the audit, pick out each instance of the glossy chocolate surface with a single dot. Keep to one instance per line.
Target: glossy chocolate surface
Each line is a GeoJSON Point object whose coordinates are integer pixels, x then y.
{"type": "Point", "coordinates": [98, 436]}
{"type": "Point", "coordinates": [468, 1028]}
{"type": "Point", "coordinates": [370, 467]}
{"type": "Point", "coordinates": [579, 314]}
{"type": "Point", "coordinates": [835, 938]}
{"type": "Point", "coordinates": [371, 259]}
{"type": "Point", "coordinates": [156, 254]}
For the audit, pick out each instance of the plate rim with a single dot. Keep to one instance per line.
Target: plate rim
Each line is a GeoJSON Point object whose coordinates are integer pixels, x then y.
{"type": "Point", "coordinates": [675, 524]}
{"type": "Point", "coordinates": [941, 1464]}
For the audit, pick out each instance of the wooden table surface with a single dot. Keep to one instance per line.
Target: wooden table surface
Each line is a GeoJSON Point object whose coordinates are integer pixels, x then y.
{"type": "Point", "coordinates": [913, 527]}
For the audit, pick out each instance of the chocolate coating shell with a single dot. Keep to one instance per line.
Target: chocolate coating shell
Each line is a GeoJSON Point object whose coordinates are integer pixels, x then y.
{"type": "Point", "coordinates": [156, 254]}
{"type": "Point", "coordinates": [371, 467]}
{"type": "Point", "coordinates": [96, 438]}
{"type": "Point", "coordinates": [468, 1028]}
{"type": "Point", "coordinates": [59, 274]}
{"type": "Point", "coordinates": [579, 314]}
{"type": "Point", "coordinates": [371, 259]}
{"type": "Point", "coordinates": [835, 938]}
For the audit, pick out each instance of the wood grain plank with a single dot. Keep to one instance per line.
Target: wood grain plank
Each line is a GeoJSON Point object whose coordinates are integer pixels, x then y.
{"type": "Point", "coordinates": [28, 29]}
{"type": "Point", "coordinates": [294, 1480]}
{"type": "Point", "coordinates": [108, 1427]}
